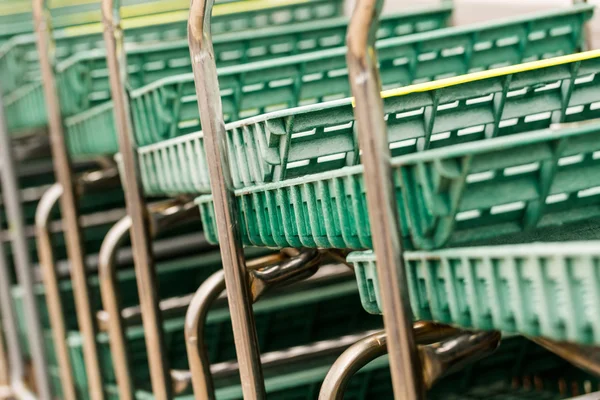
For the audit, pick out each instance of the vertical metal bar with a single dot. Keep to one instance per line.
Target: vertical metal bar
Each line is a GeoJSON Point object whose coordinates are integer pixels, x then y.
{"type": "Point", "coordinates": [385, 227]}
{"type": "Point", "coordinates": [195, 319]}
{"type": "Point", "coordinates": [4, 366]}
{"type": "Point", "coordinates": [68, 201]}
{"type": "Point", "coordinates": [55, 310]}
{"type": "Point", "coordinates": [136, 206]}
{"type": "Point", "coordinates": [6, 305]}
{"type": "Point", "coordinates": [16, 227]}
{"type": "Point", "coordinates": [9, 323]}
{"type": "Point", "coordinates": [226, 213]}
{"type": "Point", "coordinates": [109, 289]}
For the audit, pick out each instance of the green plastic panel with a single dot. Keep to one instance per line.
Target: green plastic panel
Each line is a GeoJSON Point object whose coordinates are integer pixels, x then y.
{"type": "Point", "coordinates": [19, 61]}
{"type": "Point", "coordinates": [315, 138]}
{"type": "Point", "coordinates": [17, 18]}
{"type": "Point", "coordinates": [168, 108]}
{"type": "Point", "coordinates": [25, 108]}
{"type": "Point", "coordinates": [544, 289]}
{"type": "Point", "coordinates": [471, 191]}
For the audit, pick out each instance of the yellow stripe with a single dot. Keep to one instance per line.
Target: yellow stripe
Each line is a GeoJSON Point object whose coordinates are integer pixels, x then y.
{"type": "Point", "coordinates": [477, 76]}
{"type": "Point", "coordinates": [178, 16]}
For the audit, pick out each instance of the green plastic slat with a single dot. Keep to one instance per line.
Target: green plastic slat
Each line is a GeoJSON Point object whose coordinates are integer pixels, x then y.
{"type": "Point", "coordinates": [25, 108]}
{"type": "Point", "coordinates": [18, 56]}
{"type": "Point", "coordinates": [166, 108]}
{"type": "Point", "coordinates": [321, 137]}
{"type": "Point", "coordinates": [472, 191]}
{"type": "Point", "coordinates": [547, 289]}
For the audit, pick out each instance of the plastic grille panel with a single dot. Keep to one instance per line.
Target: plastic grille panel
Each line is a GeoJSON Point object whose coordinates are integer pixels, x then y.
{"type": "Point", "coordinates": [168, 108]}
{"type": "Point", "coordinates": [83, 79]}
{"type": "Point", "coordinates": [18, 56]}
{"type": "Point", "coordinates": [467, 192]}
{"type": "Point", "coordinates": [321, 137]}
{"type": "Point", "coordinates": [536, 289]}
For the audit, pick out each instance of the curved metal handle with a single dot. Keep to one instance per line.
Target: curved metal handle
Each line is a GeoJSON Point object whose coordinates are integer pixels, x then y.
{"type": "Point", "coordinates": [294, 269]}
{"type": "Point", "coordinates": [98, 181]}
{"type": "Point", "coordinates": [372, 133]}
{"type": "Point", "coordinates": [368, 349]}
{"type": "Point", "coordinates": [265, 275]}
{"type": "Point", "coordinates": [451, 352]}
{"type": "Point", "coordinates": [172, 214]}
{"type": "Point", "coordinates": [226, 213]}
{"type": "Point", "coordinates": [30, 147]}
{"type": "Point", "coordinates": [164, 215]}
{"type": "Point", "coordinates": [452, 355]}
{"type": "Point", "coordinates": [584, 357]}
{"type": "Point", "coordinates": [50, 278]}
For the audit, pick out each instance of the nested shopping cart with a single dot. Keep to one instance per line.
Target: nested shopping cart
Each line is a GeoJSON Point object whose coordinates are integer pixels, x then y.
{"type": "Point", "coordinates": [491, 179]}
{"type": "Point", "coordinates": [336, 25]}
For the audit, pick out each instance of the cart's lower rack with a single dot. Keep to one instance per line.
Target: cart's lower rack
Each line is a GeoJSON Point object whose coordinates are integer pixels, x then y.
{"type": "Point", "coordinates": [497, 377]}
{"type": "Point", "coordinates": [472, 191]}
{"type": "Point", "coordinates": [319, 313]}
{"type": "Point", "coordinates": [541, 289]}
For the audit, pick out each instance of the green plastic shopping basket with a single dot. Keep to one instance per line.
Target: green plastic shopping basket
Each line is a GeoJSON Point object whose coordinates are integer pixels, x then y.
{"type": "Point", "coordinates": [475, 189]}
{"type": "Point", "coordinates": [310, 139]}
{"type": "Point", "coordinates": [19, 69]}
{"type": "Point", "coordinates": [171, 91]}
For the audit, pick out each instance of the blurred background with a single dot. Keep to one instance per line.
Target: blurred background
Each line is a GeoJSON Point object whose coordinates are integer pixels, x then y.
{"type": "Point", "coordinates": [469, 11]}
